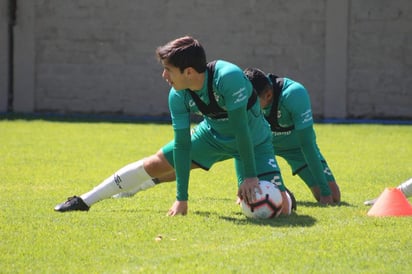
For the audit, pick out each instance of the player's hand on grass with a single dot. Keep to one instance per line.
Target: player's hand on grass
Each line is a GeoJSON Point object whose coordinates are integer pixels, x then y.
{"type": "Point", "coordinates": [178, 208]}
{"type": "Point", "coordinates": [326, 200]}
{"type": "Point", "coordinates": [335, 192]}
{"type": "Point", "coordinates": [247, 189]}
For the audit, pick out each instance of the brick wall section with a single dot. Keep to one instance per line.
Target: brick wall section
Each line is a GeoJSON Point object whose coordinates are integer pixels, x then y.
{"type": "Point", "coordinates": [380, 59]}
{"type": "Point", "coordinates": [98, 56]}
{"type": "Point", "coordinates": [4, 50]}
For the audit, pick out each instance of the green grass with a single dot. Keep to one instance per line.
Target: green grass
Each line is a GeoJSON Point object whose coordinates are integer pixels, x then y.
{"type": "Point", "coordinates": [44, 162]}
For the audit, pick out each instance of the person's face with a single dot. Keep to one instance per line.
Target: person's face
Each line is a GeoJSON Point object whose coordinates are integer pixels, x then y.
{"type": "Point", "coordinates": [174, 77]}
{"type": "Point", "coordinates": [265, 99]}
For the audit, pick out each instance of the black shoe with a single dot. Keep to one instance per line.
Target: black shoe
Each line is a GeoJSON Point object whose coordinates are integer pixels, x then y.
{"type": "Point", "coordinates": [72, 203]}
{"type": "Point", "coordinates": [370, 202]}
{"type": "Point", "coordinates": [292, 197]}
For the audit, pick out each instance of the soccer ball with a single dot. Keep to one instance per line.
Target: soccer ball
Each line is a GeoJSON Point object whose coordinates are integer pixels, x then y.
{"type": "Point", "coordinates": [267, 205]}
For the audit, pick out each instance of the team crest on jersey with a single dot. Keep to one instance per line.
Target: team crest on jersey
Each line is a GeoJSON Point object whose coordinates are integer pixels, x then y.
{"type": "Point", "coordinates": [279, 114]}
{"type": "Point", "coordinates": [193, 107]}
{"type": "Point", "coordinates": [217, 96]}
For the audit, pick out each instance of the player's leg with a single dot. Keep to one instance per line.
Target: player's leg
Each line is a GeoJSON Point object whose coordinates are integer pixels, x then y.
{"type": "Point", "coordinates": [137, 174]}
{"type": "Point", "coordinates": [167, 153]}
{"type": "Point", "coordinates": [203, 155]}
{"type": "Point", "coordinates": [306, 176]}
{"type": "Point", "coordinates": [405, 187]}
{"type": "Point", "coordinates": [330, 179]}
{"type": "Point", "coordinates": [297, 162]}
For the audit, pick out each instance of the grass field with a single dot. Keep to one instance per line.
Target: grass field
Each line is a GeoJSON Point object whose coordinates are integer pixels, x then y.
{"type": "Point", "coordinates": [44, 162]}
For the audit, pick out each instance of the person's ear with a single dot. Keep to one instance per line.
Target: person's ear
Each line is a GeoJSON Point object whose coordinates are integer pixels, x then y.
{"type": "Point", "coordinates": [268, 94]}
{"type": "Point", "coordinates": [188, 72]}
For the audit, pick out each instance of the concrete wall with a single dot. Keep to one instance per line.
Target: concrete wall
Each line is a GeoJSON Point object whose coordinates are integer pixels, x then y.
{"type": "Point", "coordinates": [355, 57]}
{"type": "Point", "coordinates": [4, 57]}
{"type": "Point", "coordinates": [380, 58]}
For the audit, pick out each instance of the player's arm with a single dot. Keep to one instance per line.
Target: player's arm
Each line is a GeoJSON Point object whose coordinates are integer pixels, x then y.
{"type": "Point", "coordinates": [312, 159]}
{"type": "Point", "coordinates": [236, 90]}
{"type": "Point", "coordinates": [181, 155]}
{"type": "Point", "coordinates": [181, 151]}
{"type": "Point", "coordinates": [298, 104]}
{"type": "Point", "coordinates": [238, 121]}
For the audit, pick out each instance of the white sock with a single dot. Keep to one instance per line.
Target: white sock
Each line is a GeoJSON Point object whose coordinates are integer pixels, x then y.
{"type": "Point", "coordinates": [127, 178]}
{"type": "Point", "coordinates": [133, 191]}
{"type": "Point", "coordinates": [406, 187]}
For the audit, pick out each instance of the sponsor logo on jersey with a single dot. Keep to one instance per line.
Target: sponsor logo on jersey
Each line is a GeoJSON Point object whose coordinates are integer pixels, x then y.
{"type": "Point", "coordinates": [281, 133]}
{"type": "Point", "coordinates": [240, 94]}
{"type": "Point", "coordinates": [306, 116]}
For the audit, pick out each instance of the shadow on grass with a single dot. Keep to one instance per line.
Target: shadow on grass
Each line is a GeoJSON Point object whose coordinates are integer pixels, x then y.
{"type": "Point", "coordinates": [316, 204]}
{"type": "Point", "coordinates": [294, 220]}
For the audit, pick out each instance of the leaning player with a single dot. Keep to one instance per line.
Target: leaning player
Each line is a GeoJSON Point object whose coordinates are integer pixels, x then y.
{"type": "Point", "coordinates": [405, 187]}
{"type": "Point", "coordinates": [286, 106]}
{"type": "Point", "coordinates": [233, 128]}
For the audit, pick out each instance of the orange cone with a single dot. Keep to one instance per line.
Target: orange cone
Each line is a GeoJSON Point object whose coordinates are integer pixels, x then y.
{"type": "Point", "coordinates": [391, 202]}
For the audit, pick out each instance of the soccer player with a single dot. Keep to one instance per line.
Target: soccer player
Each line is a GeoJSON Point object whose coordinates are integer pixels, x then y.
{"type": "Point", "coordinates": [233, 128]}
{"type": "Point", "coordinates": [286, 106]}
{"type": "Point", "coordinates": [405, 187]}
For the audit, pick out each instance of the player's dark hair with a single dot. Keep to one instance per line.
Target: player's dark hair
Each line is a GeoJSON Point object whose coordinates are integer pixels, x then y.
{"type": "Point", "coordinates": [258, 78]}
{"type": "Point", "coordinates": [182, 53]}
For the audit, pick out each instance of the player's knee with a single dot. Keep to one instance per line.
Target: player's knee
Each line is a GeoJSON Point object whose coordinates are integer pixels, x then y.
{"type": "Point", "coordinates": [157, 165]}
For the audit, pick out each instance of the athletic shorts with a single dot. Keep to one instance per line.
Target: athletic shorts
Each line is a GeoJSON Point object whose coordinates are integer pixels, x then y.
{"type": "Point", "coordinates": [296, 160]}
{"type": "Point", "coordinates": [208, 150]}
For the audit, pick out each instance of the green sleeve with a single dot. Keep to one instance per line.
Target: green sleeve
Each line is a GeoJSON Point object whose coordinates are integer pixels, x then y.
{"type": "Point", "coordinates": [307, 144]}
{"type": "Point", "coordinates": [181, 154]}
{"type": "Point", "coordinates": [238, 121]}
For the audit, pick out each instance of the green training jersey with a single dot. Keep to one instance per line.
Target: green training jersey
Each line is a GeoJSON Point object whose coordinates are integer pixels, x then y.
{"type": "Point", "coordinates": [294, 109]}
{"type": "Point", "coordinates": [231, 90]}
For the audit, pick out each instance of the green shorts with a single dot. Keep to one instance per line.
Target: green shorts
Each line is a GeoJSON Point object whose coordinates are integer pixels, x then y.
{"type": "Point", "coordinates": [207, 150]}
{"type": "Point", "coordinates": [296, 160]}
